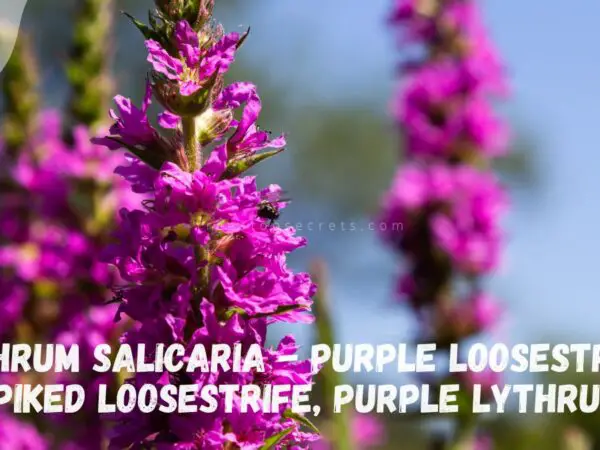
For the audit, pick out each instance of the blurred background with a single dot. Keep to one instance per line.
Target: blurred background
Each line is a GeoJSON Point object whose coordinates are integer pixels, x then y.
{"type": "Point", "coordinates": [325, 70]}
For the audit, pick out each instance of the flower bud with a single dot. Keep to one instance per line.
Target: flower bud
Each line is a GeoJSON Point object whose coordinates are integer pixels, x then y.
{"type": "Point", "coordinates": [169, 95]}
{"type": "Point", "coordinates": [173, 9]}
{"type": "Point", "coordinates": [213, 124]}
{"type": "Point", "coordinates": [196, 12]}
{"type": "Point", "coordinates": [206, 10]}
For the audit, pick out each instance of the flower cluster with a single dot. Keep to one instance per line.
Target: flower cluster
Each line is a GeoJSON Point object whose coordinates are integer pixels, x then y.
{"type": "Point", "coordinates": [445, 196]}
{"type": "Point", "coordinates": [449, 203]}
{"type": "Point", "coordinates": [201, 260]}
{"type": "Point", "coordinates": [465, 207]}
{"type": "Point", "coordinates": [61, 197]}
{"type": "Point", "coordinates": [14, 434]}
{"type": "Point", "coordinates": [58, 208]}
{"type": "Point", "coordinates": [59, 202]}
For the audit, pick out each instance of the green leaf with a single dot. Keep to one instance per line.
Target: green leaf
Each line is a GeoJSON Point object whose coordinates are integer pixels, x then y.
{"type": "Point", "coordinates": [143, 155]}
{"type": "Point", "coordinates": [289, 414]}
{"type": "Point", "coordinates": [238, 167]}
{"type": "Point", "coordinates": [148, 32]}
{"type": "Point", "coordinates": [152, 21]}
{"type": "Point", "coordinates": [243, 39]}
{"type": "Point", "coordinates": [276, 439]}
{"type": "Point", "coordinates": [280, 310]}
{"type": "Point", "coordinates": [233, 311]}
{"type": "Point", "coordinates": [327, 377]}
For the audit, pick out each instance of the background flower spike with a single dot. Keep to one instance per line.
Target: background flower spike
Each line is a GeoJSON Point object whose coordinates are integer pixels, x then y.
{"type": "Point", "coordinates": [89, 62]}
{"type": "Point", "coordinates": [21, 98]}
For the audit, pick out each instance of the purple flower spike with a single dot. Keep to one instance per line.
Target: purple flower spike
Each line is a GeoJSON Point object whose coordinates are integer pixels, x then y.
{"type": "Point", "coordinates": [442, 213]}
{"type": "Point", "coordinates": [58, 212]}
{"type": "Point", "coordinates": [199, 260]}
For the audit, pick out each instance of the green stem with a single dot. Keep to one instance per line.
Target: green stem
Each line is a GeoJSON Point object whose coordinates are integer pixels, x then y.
{"type": "Point", "coordinates": [340, 438]}
{"type": "Point", "coordinates": [191, 143]}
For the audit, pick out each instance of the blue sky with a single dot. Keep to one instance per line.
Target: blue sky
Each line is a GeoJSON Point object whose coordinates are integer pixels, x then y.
{"type": "Point", "coordinates": [550, 284]}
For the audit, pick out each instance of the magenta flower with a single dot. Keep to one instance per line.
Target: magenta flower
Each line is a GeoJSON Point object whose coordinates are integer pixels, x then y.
{"type": "Point", "coordinates": [262, 286]}
{"type": "Point", "coordinates": [132, 130]}
{"type": "Point", "coordinates": [17, 435]}
{"type": "Point", "coordinates": [14, 300]}
{"type": "Point", "coordinates": [88, 330]}
{"type": "Point", "coordinates": [247, 430]}
{"type": "Point", "coordinates": [463, 207]}
{"type": "Point", "coordinates": [51, 182]}
{"type": "Point", "coordinates": [448, 203]}
{"type": "Point", "coordinates": [195, 64]}
{"type": "Point", "coordinates": [441, 118]}
{"type": "Point", "coordinates": [200, 262]}
{"type": "Point", "coordinates": [247, 138]}
{"type": "Point", "coordinates": [449, 30]}
{"type": "Point", "coordinates": [131, 123]}
{"type": "Point", "coordinates": [61, 207]}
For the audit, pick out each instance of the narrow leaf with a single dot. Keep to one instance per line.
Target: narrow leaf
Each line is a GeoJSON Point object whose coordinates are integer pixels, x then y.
{"type": "Point", "coordinates": [240, 166]}
{"type": "Point", "coordinates": [243, 39]}
{"type": "Point", "coordinates": [143, 155]}
{"type": "Point", "coordinates": [289, 414]}
{"type": "Point", "coordinates": [280, 310]}
{"type": "Point", "coordinates": [276, 439]}
{"type": "Point", "coordinates": [233, 311]}
{"type": "Point", "coordinates": [148, 32]}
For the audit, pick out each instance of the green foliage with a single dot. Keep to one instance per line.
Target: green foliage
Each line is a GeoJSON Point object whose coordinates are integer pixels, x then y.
{"type": "Point", "coordinates": [347, 157]}
{"type": "Point", "coordinates": [21, 102]}
{"type": "Point", "coordinates": [289, 414]}
{"type": "Point", "coordinates": [340, 428]}
{"type": "Point", "coordinates": [273, 441]}
{"type": "Point", "coordinates": [87, 69]}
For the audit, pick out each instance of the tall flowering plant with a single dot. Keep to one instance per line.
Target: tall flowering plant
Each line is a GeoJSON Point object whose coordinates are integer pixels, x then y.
{"type": "Point", "coordinates": [446, 196]}
{"type": "Point", "coordinates": [58, 204]}
{"type": "Point", "coordinates": [201, 260]}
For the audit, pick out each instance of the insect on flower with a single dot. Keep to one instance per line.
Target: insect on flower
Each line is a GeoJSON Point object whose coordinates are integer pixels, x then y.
{"type": "Point", "coordinates": [269, 208]}
{"type": "Point", "coordinates": [269, 211]}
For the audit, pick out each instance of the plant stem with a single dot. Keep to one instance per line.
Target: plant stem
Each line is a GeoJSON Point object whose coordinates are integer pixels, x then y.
{"type": "Point", "coordinates": [341, 438]}
{"type": "Point", "coordinates": [191, 143]}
